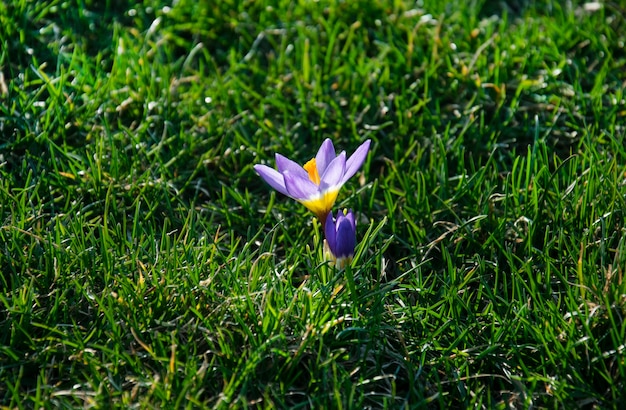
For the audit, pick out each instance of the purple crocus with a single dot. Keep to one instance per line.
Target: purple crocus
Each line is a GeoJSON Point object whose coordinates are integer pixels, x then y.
{"type": "Point", "coordinates": [317, 183]}
{"type": "Point", "coordinates": [340, 238]}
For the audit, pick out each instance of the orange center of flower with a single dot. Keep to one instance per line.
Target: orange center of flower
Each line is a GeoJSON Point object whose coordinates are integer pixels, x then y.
{"type": "Point", "coordinates": [311, 168]}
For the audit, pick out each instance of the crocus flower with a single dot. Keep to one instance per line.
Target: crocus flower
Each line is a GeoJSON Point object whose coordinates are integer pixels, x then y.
{"type": "Point", "coordinates": [340, 238]}
{"type": "Point", "coordinates": [317, 183]}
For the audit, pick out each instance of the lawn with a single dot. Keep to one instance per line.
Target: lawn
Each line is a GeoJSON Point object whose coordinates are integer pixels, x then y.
{"type": "Point", "coordinates": [145, 264]}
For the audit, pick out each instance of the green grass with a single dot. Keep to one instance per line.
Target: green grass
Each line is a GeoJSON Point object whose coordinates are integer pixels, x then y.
{"type": "Point", "coordinates": [145, 264]}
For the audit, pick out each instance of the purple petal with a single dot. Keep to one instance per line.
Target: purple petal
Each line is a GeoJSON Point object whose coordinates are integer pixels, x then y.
{"type": "Point", "coordinates": [300, 188]}
{"type": "Point", "coordinates": [350, 217]}
{"type": "Point", "coordinates": [346, 238]}
{"type": "Point", "coordinates": [333, 175]}
{"type": "Point", "coordinates": [324, 156]}
{"type": "Point", "coordinates": [272, 177]}
{"type": "Point", "coordinates": [356, 160]}
{"type": "Point", "coordinates": [284, 164]}
{"type": "Point", "coordinates": [330, 232]}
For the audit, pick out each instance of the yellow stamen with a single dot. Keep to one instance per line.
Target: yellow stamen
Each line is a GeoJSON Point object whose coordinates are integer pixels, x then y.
{"type": "Point", "coordinates": [311, 168]}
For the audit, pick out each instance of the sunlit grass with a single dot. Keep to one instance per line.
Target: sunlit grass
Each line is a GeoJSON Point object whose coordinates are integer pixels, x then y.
{"type": "Point", "coordinates": [145, 264]}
